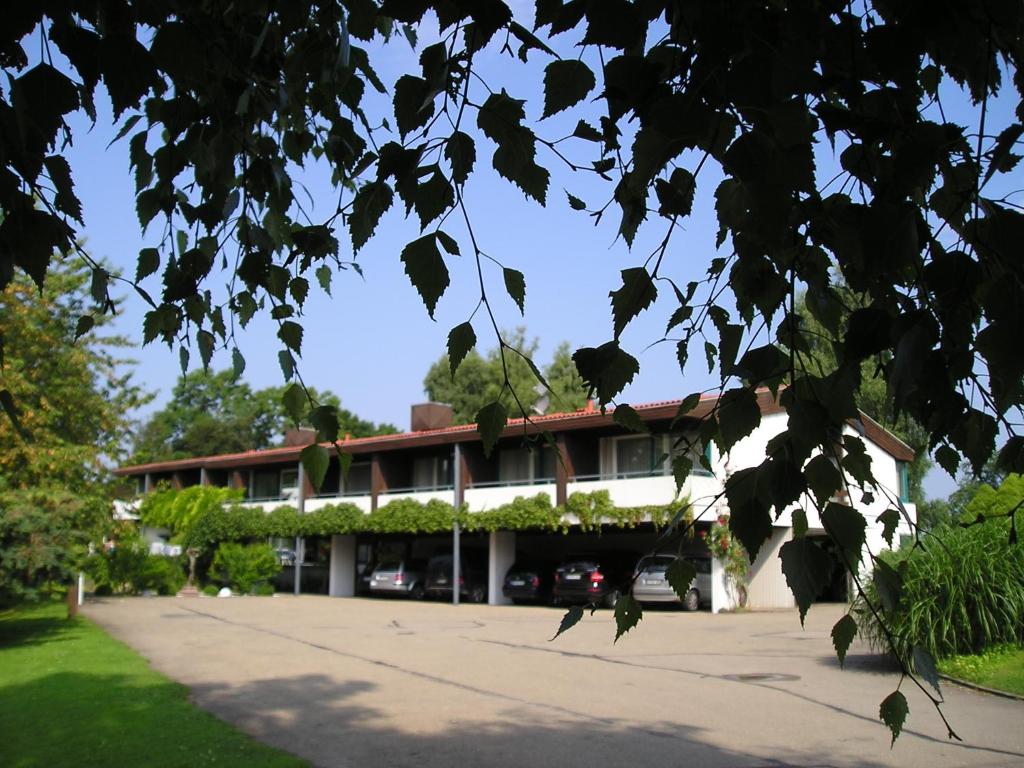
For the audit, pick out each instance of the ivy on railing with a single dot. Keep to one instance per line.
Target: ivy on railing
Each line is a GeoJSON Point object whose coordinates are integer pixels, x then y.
{"type": "Point", "coordinates": [588, 511]}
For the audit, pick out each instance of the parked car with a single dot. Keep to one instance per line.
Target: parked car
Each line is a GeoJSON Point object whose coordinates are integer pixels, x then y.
{"type": "Point", "coordinates": [529, 581]}
{"type": "Point", "coordinates": [472, 579]}
{"type": "Point", "coordinates": [650, 585]}
{"type": "Point", "coordinates": [597, 578]}
{"type": "Point", "coordinates": [399, 577]}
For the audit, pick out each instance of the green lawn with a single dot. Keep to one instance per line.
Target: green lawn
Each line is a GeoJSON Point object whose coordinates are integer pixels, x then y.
{"type": "Point", "coordinates": [1001, 667]}
{"type": "Point", "coordinates": [71, 695]}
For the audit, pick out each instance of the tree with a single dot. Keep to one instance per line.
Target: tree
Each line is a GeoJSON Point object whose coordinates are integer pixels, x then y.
{"type": "Point", "coordinates": [221, 102]}
{"type": "Point", "coordinates": [216, 412]}
{"type": "Point", "coordinates": [480, 380]}
{"type": "Point", "coordinates": [71, 424]}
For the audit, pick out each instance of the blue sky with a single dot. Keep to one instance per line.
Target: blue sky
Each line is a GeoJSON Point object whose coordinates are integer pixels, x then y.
{"type": "Point", "coordinates": [373, 342]}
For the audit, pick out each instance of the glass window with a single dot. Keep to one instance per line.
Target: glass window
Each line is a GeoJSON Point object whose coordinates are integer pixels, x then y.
{"type": "Point", "coordinates": [514, 465]}
{"type": "Point", "coordinates": [904, 471]}
{"type": "Point", "coordinates": [547, 463]}
{"type": "Point", "coordinates": [289, 481]}
{"type": "Point", "coordinates": [691, 445]}
{"type": "Point", "coordinates": [423, 472]}
{"type": "Point", "coordinates": [634, 456]}
{"type": "Point", "coordinates": [266, 484]}
{"type": "Point", "coordinates": [358, 479]}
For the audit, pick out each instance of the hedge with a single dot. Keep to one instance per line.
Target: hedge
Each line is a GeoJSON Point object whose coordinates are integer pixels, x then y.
{"type": "Point", "coordinates": [236, 522]}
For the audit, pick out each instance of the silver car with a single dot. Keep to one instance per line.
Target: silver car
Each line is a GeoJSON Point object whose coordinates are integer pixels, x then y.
{"type": "Point", "coordinates": [398, 577]}
{"type": "Point", "coordinates": [650, 585]}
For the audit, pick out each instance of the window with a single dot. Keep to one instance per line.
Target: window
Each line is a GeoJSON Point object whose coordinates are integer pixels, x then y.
{"type": "Point", "coordinates": [431, 472]}
{"type": "Point", "coordinates": [358, 479]}
{"type": "Point", "coordinates": [904, 475]}
{"type": "Point", "coordinates": [525, 465]}
{"type": "Point", "coordinates": [690, 444]}
{"type": "Point", "coordinates": [514, 465]}
{"type": "Point", "coordinates": [266, 484]}
{"type": "Point", "coordinates": [634, 456]}
{"type": "Point", "coordinates": [289, 482]}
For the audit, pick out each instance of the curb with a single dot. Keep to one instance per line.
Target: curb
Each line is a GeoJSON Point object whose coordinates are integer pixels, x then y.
{"type": "Point", "coordinates": [981, 688]}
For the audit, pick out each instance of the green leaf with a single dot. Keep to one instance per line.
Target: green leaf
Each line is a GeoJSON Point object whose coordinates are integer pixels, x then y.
{"type": "Point", "coordinates": [893, 712]}
{"type": "Point", "coordinates": [738, 416]}
{"type": "Point", "coordinates": [680, 574]}
{"type": "Point", "coordinates": [575, 203]}
{"type": "Point", "coordinates": [98, 288]}
{"type": "Point", "coordinates": [627, 417]}
{"type": "Point", "coordinates": [637, 293]}
{"type": "Point", "coordinates": [924, 666]}
{"type": "Point", "coordinates": [675, 196]}
{"type": "Point", "coordinates": [948, 459]}
{"type": "Point", "coordinates": [571, 619]}
{"type": "Point", "coordinates": [628, 613]}
{"type": "Point", "coordinates": [461, 339]}
{"type": "Point", "coordinates": [566, 82]}
{"type": "Point", "coordinates": [290, 333]}
{"type": "Point", "coordinates": [324, 419]}
{"type": "Point", "coordinates": [889, 519]}
{"type": "Point", "coordinates": [433, 197]}
{"type": "Point", "coordinates": [515, 285]}
{"type": "Point", "coordinates": [371, 202]}
{"type": "Point", "coordinates": [1011, 456]}
{"type": "Point", "coordinates": [323, 276]}
{"type": "Point", "coordinates": [460, 151]}
{"type": "Point", "coordinates": [807, 569]}
{"type": "Point", "coordinates": [60, 175]}
{"type": "Point", "coordinates": [148, 263]}
{"type": "Point", "coordinates": [587, 132]}
{"type": "Point", "coordinates": [287, 363]}
{"type": "Point", "coordinates": [682, 466]}
{"type": "Point", "coordinates": [205, 341]}
{"type": "Point", "coordinates": [605, 370]}
{"type": "Point", "coordinates": [856, 460]}
{"type": "Point", "coordinates": [448, 242]}
{"type": "Point", "coordinates": [298, 287]}
{"type": "Point", "coordinates": [294, 401]}
{"type": "Point", "coordinates": [315, 460]}
{"type": "Point", "coordinates": [847, 527]}
{"type": "Point", "coordinates": [889, 584]}
{"type": "Point", "coordinates": [823, 478]}
{"type": "Point", "coordinates": [83, 326]}
{"type": "Point", "coordinates": [237, 362]}
{"type": "Point", "coordinates": [414, 103]}
{"type": "Point", "coordinates": [490, 423]}
{"type": "Point", "coordinates": [799, 523]}
{"type": "Point", "coordinates": [843, 633]}
{"type": "Point", "coordinates": [426, 270]}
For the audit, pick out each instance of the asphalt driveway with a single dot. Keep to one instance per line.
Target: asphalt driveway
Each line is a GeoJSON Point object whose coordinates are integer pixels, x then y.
{"type": "Point", "coordinates": [358, 682]}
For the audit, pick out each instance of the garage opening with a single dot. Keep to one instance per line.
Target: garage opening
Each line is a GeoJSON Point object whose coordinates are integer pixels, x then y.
{"type": "Point", "coordinates": [837, 588]}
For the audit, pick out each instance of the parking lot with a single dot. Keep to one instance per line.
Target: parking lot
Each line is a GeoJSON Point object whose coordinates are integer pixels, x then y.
{"type": "Point", "coordinates": [360, 682]}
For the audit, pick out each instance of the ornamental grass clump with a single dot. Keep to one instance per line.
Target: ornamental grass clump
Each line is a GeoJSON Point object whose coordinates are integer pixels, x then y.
{"type": "Point", "coordinates": [961, 591]}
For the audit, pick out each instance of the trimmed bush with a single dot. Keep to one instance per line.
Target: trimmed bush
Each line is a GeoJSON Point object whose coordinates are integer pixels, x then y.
{"type": "Point", "coordinates": [128, 568]}
{"type": "Point", "coordinates": [244, 567]}
{"type": "Point", "coordinates": [962, 591]}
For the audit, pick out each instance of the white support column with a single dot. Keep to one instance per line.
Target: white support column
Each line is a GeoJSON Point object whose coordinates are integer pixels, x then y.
{"type": "Point", "coordinates": [343, 566]}
{"type": "Point", "coordinates": [501, 555]}
{"type": "Point", "coordinates": [721, 595]}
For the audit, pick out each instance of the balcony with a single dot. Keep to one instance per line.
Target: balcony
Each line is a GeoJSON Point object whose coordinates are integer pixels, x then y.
{"type": "Point", "coordinates": [484, 496]}
{"type": "Point", "coordinates": [645, 489]}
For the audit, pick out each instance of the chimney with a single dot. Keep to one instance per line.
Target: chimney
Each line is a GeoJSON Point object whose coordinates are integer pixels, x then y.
{"type": "Point", "coordinates": [431, 416]}
{"type": "Point", "coordinates": [299, 436]}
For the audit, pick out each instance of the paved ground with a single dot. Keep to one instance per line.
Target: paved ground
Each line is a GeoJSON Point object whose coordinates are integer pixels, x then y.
{"type": "Point", "coordinates": [387, 683]}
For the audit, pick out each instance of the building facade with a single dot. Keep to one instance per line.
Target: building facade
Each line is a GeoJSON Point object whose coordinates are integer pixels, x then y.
{"type": "Point", "coordinates": [581, 452]}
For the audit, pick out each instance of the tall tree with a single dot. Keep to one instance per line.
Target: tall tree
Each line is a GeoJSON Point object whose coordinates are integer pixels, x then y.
{"type": "Point", "coordinates": [506, 378]}
{"type": "Point", "coordinates": [70, 427]}
{"type": "Point", "coordinates": [216, 412]}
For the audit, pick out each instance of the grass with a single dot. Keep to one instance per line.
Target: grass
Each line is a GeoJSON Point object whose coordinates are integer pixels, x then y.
{"type": "Point", "coordinates": [71, 695]}
{"type": "Point", "coordinates": [1000, 667]}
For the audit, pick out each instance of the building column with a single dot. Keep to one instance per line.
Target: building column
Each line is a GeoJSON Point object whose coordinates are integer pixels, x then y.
{"type": "Point", "coordinates": [377, 484]}
{"type": "Point", "coordinates": [204, 476]}
{"type": "Point", "coordinates": [563, 470]}
{"type": "Point", "coordinates": [500, 557]}
{"type": "Point", "coordinates": [721, 595]}
{"type": "Point", "coordinates": [147, 483]}
{"type": "Point", "coordinates": [343, 566]}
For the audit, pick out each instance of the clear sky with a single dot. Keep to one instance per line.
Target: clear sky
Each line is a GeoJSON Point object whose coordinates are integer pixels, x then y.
{"type": "Point", "coordinates": [373, 342]}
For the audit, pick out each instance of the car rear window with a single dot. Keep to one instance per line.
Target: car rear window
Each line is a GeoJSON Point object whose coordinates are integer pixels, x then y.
{"type": "Point", "coordinates": [655, 561]}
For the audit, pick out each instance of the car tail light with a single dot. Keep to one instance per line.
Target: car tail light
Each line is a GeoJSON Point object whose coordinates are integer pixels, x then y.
{"type": "Point", "coordinates": [535, 581]}
{"type": "Point", "coordinates": [398, 578]}
{"type": "Point", "coordinates": [558, 577]}
{"type": "Point", "coordinates": [462, 581]}
{"type": "Point", "coordinates": [597, 576]}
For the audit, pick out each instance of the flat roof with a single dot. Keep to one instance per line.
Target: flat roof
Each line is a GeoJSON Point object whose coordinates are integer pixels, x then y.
{"type": "Point", "coordinates": [587, 418]}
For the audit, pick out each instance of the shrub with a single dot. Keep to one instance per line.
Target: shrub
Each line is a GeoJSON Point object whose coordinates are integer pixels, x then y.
{"type": "Point", "coordinates": [962, 591]}
{"type": "Point", "coordinates": [244, 567]}
{"type": "Point", "coordinates": [128, 568]}
{"type": "Point", "coordinates": [211, 590]}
